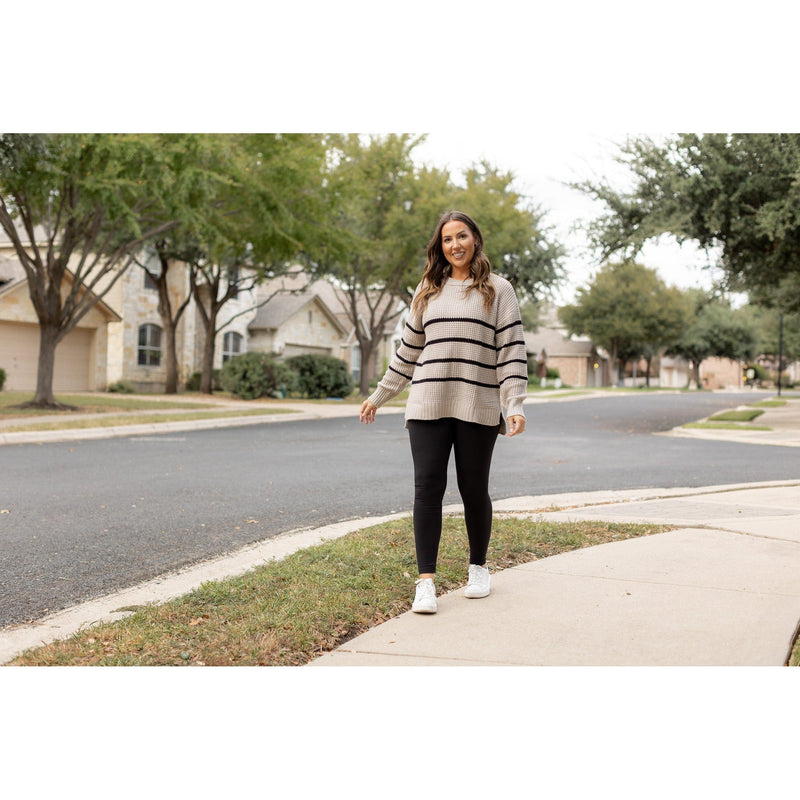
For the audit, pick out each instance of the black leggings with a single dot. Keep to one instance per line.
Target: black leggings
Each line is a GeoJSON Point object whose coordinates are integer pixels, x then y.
{"type": "Point", "coordinates": [431, 443]}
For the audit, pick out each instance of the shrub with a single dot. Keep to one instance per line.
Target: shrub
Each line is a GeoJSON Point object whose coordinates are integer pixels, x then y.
{"type": "Point", "coordinates": [253, 375]}
{"type": "Point", "coordinates": [321, 376]}
{"type": "Point", "coordinates": [552, 372]}
{"type": "Point", "coordinates": [2, 378]}
{"type": "Point", "coordinates": [193, 383]}
{"type": "Point", "coordinates": [122, 387]}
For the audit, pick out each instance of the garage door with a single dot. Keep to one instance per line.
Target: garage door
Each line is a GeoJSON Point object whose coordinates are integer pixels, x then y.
{"type": "Point", "coordinates": [19, 356]}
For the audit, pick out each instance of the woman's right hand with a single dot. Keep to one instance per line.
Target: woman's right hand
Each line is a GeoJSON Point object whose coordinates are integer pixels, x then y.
{"type": "Point", "coordinates": [368, 412]}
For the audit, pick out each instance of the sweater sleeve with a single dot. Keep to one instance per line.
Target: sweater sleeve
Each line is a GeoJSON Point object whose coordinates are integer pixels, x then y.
{"type": "Point", "coordinates": [401, 367]}
{"type": "Point", "coordinates": [512, 361]}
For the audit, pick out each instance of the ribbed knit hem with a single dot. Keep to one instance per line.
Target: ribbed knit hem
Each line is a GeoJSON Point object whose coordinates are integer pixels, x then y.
{"type": "Point", "coordinates": [481, 416]}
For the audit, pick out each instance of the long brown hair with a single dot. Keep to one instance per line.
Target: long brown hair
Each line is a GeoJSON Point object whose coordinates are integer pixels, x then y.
{"type": "Point", "coordinates": [437, 268]}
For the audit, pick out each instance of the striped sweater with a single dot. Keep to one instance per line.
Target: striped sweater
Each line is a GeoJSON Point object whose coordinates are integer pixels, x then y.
{"type": "Point", "coordinates": [462, 360]}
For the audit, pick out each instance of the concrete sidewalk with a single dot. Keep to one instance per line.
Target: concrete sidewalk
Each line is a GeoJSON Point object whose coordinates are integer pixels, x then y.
{"type": "Point", "coordinates": [722, 589]}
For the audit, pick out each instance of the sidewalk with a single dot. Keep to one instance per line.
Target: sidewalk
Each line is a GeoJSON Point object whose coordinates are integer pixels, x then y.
{"type": "Point", "coordinates": [723, 589]}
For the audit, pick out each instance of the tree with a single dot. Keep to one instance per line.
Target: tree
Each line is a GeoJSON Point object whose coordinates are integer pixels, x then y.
{"type": "Point", "coordinates": [77, 207]}
{"type": "Point", "coordinates": [735, 193]}
{"type": "Point", "coordinates": [385, 207]}
{"type": "Point", "coordinates": [518, 243]}
{"type": "Point", "coordinates": [268, 211]}
{"type": "Point", "coordinates": [714, 330]}
{"type": "Point", "coordinates": [390, 209]}
{"type": "Point", "coordinates": [627, 310]}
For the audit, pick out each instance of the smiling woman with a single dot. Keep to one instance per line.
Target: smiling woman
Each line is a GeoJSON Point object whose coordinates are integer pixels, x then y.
{"type": "Point", "coordinates": [463, 349]}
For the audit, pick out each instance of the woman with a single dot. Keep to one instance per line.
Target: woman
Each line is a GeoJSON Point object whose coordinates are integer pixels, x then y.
{"type": "Point", "coordinates": [463, 350]}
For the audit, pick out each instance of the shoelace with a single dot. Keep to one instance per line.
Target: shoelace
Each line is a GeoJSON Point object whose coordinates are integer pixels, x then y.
{"type": "Point", "coordinates": [425, 591]}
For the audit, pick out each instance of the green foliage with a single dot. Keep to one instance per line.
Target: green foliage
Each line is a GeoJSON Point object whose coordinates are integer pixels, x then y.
{"type": "Point", "coordinates": [737, 194]}
{"type": "Point", "coordinates": [518, 243]}
{"type": "Point", "coordinates": [122, 387]}
{"type": "Point", "coordinates": [252, 375]}
{"type": "Point", "coordinates": [2, 378]}
{"type": "Point", "coordinates": [715, 330]}
{"type": "Point", "coordinates": [321, 376]}
{"type": "Point", "coordinates": [627, 309]}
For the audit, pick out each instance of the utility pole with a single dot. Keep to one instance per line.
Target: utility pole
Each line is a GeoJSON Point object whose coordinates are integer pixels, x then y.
{"type": "Point", "coordinates": [780, 353]}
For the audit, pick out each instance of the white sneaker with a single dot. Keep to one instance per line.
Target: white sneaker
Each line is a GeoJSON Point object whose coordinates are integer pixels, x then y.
{"type": "Point", "coordinates": [478, 585]}
{"type": "Point", "coordinates": [425, 598]}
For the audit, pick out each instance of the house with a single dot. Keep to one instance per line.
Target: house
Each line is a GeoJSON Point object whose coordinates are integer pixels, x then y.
{"type": "Point", "coordinates": [302, 315]}
{"type": "Point", "coordinates": [295, 322]}
{"type": "Point", "coordinates": [578, 361]}
{"type": "Point", "coordinates": [81, 358]}
{"type": "Point", "coordinates": [136, 341]}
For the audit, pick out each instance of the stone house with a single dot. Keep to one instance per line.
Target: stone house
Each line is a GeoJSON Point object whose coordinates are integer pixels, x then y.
{"type": "Point", "coordinates": [81, 362]}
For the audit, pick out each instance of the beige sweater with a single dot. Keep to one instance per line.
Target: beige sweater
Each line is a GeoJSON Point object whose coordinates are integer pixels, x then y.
{"type": "Point", "coordinates": [462, 360]}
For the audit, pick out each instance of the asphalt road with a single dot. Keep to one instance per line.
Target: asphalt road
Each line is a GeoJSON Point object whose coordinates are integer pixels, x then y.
{"type": "Point", "coordinates": [81, 519]}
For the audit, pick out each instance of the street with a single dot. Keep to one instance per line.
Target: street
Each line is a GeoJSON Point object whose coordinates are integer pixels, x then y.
{"type": "Point", "coordinates": [81, 519]}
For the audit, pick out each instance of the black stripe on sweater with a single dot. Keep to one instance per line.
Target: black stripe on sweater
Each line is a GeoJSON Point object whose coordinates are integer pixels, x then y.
{"type": "Point", "coordinates": [411, 346]}
{"type": "Point", "coordinates": [460, 380]}
{"type": "Point", "coordinates": [506, 327]}
{"type": "Point", "coordinates": [466, 341]}
{"type": "Point", "coordinates": [414, 330]}
{"type": "Point", "coordinates": [511, 377]}
{"type": "Point", "coordinates": [459, 319]}
{"type": "Point", "coordinates": [457, 361]}
{"type": "Point", "coordinates": [407, 377]}
{"type": "Point", "coordinates": [510, 344]}
{"type": "Point", "coordinates": [512, 361]}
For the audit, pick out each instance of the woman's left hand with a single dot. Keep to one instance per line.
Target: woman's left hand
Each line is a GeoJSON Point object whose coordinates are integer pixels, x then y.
{"type": "Point", "coordinates": [516, 424]}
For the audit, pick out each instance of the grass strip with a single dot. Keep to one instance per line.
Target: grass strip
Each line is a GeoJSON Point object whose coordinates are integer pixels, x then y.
{"type": "Point", "coordinates": [76, 423]}
{"type": "Point", "coordinates": [794, 658]}
{"type": "Point", "coordinates": [737, 415]}
{"type": "Point", "coordinates": [725, 426]}
{"type": "Point", "coordinates": [288, 612]}
{"type": "Point", "coordinates": [768, 404]}
{"type": "Point", "coordinates": [88, 404]}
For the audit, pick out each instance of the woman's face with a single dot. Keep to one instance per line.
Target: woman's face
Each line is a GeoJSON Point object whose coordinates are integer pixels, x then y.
{"type": "Point", "coordinates": [458, 244]}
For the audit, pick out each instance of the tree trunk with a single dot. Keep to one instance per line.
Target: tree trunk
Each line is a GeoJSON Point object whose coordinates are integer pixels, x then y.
{"type": "Point", "coordinates": [207, 375]}
{"type": "Point", "coordinates": [367, 357]}
{"type": "Point", "coordinates": [44, 397]}
{"type": "Point", "coordinates": [171, 361]}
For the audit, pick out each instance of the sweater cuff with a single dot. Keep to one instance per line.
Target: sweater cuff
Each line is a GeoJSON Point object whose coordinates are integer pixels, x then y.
{"type": "Point", "coordinates": [514, 408]}
{"type": "Point", "coordinates": [380, 396]}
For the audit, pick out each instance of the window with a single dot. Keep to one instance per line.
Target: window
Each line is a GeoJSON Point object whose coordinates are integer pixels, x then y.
{"type": "Point", "coordinates": [149, 345]}
{"type": "Point", "coordinates": [231, 345]}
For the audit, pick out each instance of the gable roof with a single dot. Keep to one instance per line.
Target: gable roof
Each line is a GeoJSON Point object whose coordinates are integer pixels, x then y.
{"type": "Point", "coordinates": [100, 305]}
{"type": "Point", "coordinates": [283, 306]}
{"type": "Point", "coordinates": [557, 344]}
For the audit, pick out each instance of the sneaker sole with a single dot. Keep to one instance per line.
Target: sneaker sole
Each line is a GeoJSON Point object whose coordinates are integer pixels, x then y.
{"type": "Point", "coordinates": [473, 595]}
{"type": "Point", "coordinates": [423, 610]}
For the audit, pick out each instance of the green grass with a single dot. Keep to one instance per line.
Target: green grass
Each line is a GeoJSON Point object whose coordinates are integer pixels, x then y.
{"type": "Point", "coordinates": [290, 611]}
{"type": "Point", "coordinates": [726, 426]}
{"type": "Point", "coordinates": [737, 415]}
{"type": "Point", "coordinates": [87, 404]}
{"type": "Point", "coordinates": [76, 423]}
{"type": "Point", "coordinates": [794, 658]}
{"type": "Point", "coordinates": [768, 404]}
